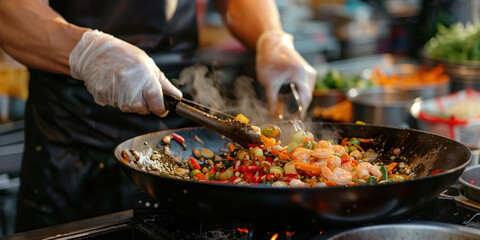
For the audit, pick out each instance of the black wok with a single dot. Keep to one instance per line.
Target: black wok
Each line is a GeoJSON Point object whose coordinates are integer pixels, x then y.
{"type": "Point", "coordinates": [295, 208]}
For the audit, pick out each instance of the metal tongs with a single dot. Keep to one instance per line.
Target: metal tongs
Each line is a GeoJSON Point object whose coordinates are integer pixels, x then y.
{"type": "Point", "coordinates": [290, 108]}
{"type": "Point", "coordinates": [239, 132]}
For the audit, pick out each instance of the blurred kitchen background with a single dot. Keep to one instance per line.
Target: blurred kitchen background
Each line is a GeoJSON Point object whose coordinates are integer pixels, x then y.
{"type": "Point", "coordinates": [363, 50]}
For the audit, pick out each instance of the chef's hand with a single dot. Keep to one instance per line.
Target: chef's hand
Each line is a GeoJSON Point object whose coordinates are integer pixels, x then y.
{"type": "Point", "coordinates": [119, 74]}
{"type": "Point", "coordinates": [278, 63]}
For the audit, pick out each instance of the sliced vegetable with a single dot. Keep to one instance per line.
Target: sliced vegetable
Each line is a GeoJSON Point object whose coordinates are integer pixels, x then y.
{"type": "Point", "coordinates": [245, 169]}
{"type": "Point", "coordinates": [276, 169]}
{"type": "Point", "coordinates": [345, 158]}
{"type": "Point", "coordinates": [241, 118]}
{"type": "Point", "coordinates": [178, 138]}
{"type": "Point", "coordinates": [309, 144]}
{"type": "Point", "coordinates": [225, 174]}
{"type": "Point", "coordinates": [307, 167]}
{"type": "Point", "coordinates": [372, 180]}
{"type": "Point", "coordinates": [200, 176]}
{"type": "Point", "coordinates": [193, 172]}
{"type": "Point", "coordinates": [289, 177]}
{"type": "Point", "coordinates": [272, 176]}
{"type": "Point", "coordinates": [391, 166]}
{"type": "Point", "coordinates": [194, 163]}
{"type": "Point", "coordinates": [354, 141]}
{"type": "Point", "coordinates": [384, 171]}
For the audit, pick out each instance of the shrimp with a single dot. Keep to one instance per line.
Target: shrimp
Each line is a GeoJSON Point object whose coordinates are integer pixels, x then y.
{"type": "Point", "coordinates": [339, 176]}
{"type": "Point", "coordinates": [323, 144]}
{"type": "Point", "coordinates": [331, 162]}
{"type": "Point", "coordinates": [346, 166]}
{"type": "Point", "coordinates": [302, 154]}
{"type": "Point", "coordinates": [338, 149]}
{"type": "Point", "coordinates": [365, 169]}
{"type": "Point", "coordinates": [322, 153]}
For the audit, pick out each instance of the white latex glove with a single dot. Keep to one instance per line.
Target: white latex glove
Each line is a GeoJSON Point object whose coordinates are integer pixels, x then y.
{"type": "Point", "coordinates": [120, 74]}
{"type": "Point", "coordinates": [278, 63]}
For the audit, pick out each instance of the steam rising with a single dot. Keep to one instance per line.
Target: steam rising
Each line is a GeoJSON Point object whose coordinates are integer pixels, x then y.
{"type": "Point", "coordinates": [209, 88]}
{"type": "Point", "coordinates": [212, 89]}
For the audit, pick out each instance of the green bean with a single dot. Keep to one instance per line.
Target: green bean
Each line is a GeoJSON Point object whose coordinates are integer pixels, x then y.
{"type": "Point", "coordinates": [384, 171]}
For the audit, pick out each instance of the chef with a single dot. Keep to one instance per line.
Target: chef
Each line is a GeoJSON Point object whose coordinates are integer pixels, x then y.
{"type": "Point", "coordinates": [93, 85]}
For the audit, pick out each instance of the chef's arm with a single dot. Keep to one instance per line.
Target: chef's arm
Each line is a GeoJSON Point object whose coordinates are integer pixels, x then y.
{"type": "Point", "coordinates": [248, 19]}
{"type": "Point", "coordinates": [256, 23]}
{"type": "Point", "coordinates": [37, 36]}
{"type": "Point", "coordinates": [115, 72]}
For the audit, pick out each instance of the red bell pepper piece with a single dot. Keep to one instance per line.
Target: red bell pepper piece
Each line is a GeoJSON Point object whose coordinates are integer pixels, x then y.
{"type": "Point", "coordinates": [247, 176]}
{"type": "Point", "coordinates": [436, 172]}
{"type": "Point", "coordinates": [272, 176]}
{"type": "Point", "coordinates": [194, 163]}
{"type": "Point", "coordinates": [269, 159]}
{"type": "Point", "coordinates": [231, 180]}
{"type": "Point", "coordinates": [200, 176]}
{"type": "Point", "coordinates": [244, 169]}
{"type": "Point", "coordinates": [289, 177]}
{"type": "Point", "coordinates": [256, 180]}
{"type": "Point", "coordinates": [178, 138]}
{"type": "Point", "coordinates": [345, 158]}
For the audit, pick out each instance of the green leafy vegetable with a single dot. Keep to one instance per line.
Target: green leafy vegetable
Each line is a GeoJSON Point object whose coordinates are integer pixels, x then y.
{"type": "Point", "coordinates": [335, 80]}
{"type": "Point", "coordinates": [457, 43]}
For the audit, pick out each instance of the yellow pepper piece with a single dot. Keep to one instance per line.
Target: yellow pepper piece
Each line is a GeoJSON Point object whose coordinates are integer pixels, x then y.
{"type": "Point", "coordinates": [360, 123]}
{"type": "Point", "coordinates": [241, 118]}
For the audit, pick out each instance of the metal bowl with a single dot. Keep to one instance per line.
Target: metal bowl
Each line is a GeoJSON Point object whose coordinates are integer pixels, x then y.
{"type": "Point", "coordinates": [470, 180]}
{"type": "Point", "coordinates": [426, 89]}
{"type": "Point", "coordinates": [382, 106]}
{"type": "Point", "coordinates": [411, 230]}
{"type": "Point", "coordinates": [327, 98]}
{"type": "Point", "coordinates": [475, 155]}
{"type": "Point", "coordinates": [462, 75]}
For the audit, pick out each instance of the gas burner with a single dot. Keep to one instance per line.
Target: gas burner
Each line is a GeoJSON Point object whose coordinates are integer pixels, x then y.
{"type": "Point", "coordinates": [161, 222]}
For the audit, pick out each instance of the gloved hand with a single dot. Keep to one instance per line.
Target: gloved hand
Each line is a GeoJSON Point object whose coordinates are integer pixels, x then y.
{"type": "Point", "coordinates": [278, 63]}
{"type": "Point", "coordinates": [120, 74]}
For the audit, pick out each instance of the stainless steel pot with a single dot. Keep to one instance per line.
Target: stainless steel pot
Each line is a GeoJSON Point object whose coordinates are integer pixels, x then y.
{"type": "Point", "coordinates": [382, 106]}
{"type": "Point", "coordinates": [412, 231]}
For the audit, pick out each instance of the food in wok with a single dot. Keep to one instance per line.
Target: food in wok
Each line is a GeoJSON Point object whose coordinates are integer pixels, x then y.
{"type": "Point", "coordinates": [304, 162]}
{"type": "Point", "coordinates": [280, 208]}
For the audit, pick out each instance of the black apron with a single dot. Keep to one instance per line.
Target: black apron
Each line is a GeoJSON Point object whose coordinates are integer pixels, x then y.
{"type": "Point", "coordinates": [68, 170]}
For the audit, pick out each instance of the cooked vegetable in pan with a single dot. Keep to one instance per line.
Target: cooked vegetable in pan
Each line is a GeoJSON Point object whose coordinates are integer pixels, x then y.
{"type": "Point", "coordinates": [304, 162]}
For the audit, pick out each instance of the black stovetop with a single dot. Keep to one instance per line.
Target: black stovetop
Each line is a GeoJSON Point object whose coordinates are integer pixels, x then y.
{"type": "Point", "coordinates": [151, 219]}
{"type": "Point", "coordinates": [154, 220]}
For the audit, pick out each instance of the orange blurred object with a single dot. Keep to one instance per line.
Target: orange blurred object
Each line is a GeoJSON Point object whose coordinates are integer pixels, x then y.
{"type": "Point", "coordinates": [410, 76]}
{"type": "Point", "coordinates": [340, 112]}
{"type": "Point", "coordinates": [13, 77]}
